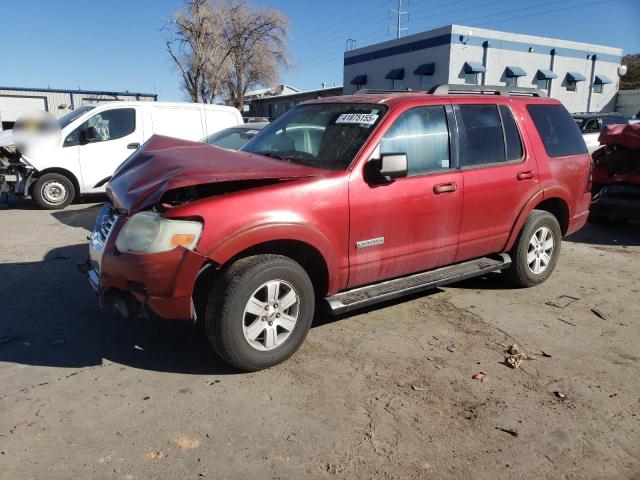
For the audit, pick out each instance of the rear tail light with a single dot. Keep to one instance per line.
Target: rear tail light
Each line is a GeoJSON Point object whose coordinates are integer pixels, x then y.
{"type": "Point", "coordinates": [590, 176]}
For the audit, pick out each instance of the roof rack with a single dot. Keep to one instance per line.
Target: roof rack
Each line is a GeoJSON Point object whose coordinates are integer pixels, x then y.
{"type": "Point", "coordinates": [449, 89]}
{"type": "Point", "coordinates": [371, 91]}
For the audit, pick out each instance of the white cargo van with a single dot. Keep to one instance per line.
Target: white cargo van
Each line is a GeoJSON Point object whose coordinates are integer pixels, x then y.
{"type": "Point", "coordinates": [96, 139]}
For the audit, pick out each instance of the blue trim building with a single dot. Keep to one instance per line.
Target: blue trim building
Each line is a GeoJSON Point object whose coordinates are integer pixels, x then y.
{"type": "Point", "coordinates": [583, 76]}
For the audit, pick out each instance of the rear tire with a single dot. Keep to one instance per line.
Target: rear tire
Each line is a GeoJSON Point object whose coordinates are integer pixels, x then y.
{"type": "Point", "coordinates": [53, 191]}
{"type": "Point", "coordinates": [536, 252]}
{"type": "Point", "coordinates": [259, 311]}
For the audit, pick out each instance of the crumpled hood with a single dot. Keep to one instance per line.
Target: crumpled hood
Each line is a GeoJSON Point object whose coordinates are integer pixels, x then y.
{"type": "Point", "coordinates": [165, 163]}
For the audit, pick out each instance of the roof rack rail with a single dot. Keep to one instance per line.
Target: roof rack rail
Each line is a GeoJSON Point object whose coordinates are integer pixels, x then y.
{"type": "Point", "coordinates": [449, 89]}
{"type": "Point", "coordinates": [370, 91]}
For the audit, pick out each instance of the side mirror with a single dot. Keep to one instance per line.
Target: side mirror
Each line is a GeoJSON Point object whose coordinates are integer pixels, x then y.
{"type": "Point", "coordinates": [393, 165]}
{"type": "Point", "coordinates": [88, 135]}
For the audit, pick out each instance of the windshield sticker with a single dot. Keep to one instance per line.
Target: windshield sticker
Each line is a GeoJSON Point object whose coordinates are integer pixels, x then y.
{"type": "Point", "coordinates": [357, 118]}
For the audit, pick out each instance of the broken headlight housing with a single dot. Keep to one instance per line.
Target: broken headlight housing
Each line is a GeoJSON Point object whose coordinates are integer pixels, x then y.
{"type": "Point", "coordinates": [148, 232]}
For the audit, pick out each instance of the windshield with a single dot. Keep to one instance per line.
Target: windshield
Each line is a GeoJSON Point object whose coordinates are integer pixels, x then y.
{"type": "Point", "coordinates": [231, 138]}
{"type": "Point", "coordinates": [73, 114]}
{"type": "Point", "coordinates": [324, 136]}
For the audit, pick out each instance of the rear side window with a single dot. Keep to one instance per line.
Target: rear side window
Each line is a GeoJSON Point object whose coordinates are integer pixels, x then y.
{"type": "Point", "coordinates": [558, 131]}
{"type": "Point", "coordinates": [512, 139]}
{"type": "Point", "coordinates": [488, 134]}
{"type": "Point", "coordinates": [423, 135]}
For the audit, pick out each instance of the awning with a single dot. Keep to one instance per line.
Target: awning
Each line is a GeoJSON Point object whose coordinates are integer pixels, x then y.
{"type": "Point", "coordinates": [602, 80]}
{"type": "Point", "coordinates": [426, 69]}
{"type": "Point", "coordinates": [395, 74]}
{"type": "Point", "coordinates": [474, 68]}
{"type": "Point", "coordinates": [546, 75]}
{"type": "Point", "coordinates": [514, 72]}
{"type": "Point", "coordinates": [575, 77]}
{"type": "Point", "coordinates": [359, 80]}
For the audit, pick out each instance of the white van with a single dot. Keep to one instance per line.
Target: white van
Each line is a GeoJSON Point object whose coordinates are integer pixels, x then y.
{"type": "Point", "coordinates": [97, 138]}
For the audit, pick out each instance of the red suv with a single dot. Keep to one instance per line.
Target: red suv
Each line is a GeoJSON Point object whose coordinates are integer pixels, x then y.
{"type": "Point", "coordinates": [348, 201]}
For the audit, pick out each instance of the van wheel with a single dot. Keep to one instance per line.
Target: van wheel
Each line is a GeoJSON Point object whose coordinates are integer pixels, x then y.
{"type": "Point", "coordinates": [259, 311]}
{"type": "Point", "coordinates": [536, 251]}
{"type": "Point", "coordinates": [53, 191]}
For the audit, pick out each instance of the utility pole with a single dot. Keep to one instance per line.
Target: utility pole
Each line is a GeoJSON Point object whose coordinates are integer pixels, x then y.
{"type": "Point", "coordinates": [398, 13]}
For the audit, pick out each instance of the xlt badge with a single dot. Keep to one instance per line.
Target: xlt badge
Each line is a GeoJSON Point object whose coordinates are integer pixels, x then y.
{"type": "Point", "coordinates": [372, 242]}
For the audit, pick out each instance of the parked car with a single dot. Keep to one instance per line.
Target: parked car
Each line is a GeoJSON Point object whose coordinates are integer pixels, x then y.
{"type": "Point", "coordinates": [347, 201]}
{"type": "Point", "coordinates": [96, 139]}
{"type": "Point", "coordinates": [616, 175]}
{"type": "Point", "coordinates": [235, 137]}
{"type": "Point", "coordinates": [591, 124]}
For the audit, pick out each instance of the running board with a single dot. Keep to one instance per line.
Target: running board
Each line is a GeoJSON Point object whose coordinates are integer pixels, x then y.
{"type": "Point", "coordinates": [379, 292]}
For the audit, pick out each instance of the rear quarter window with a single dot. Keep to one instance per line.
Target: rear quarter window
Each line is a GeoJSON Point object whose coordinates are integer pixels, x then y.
{"type": "Point", "coordinates": [557, 129]}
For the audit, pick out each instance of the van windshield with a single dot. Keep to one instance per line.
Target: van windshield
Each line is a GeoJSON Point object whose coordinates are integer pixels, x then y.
{"type": "Point", "coordinates": [73, 114]}
{"type": "Point", "coordinates": [324, 136]}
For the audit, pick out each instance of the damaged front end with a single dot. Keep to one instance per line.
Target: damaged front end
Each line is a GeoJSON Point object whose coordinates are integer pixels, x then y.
{"type": "Point", "coordinates": [616, 174]}
{"type": "Point", "coordinates": [16, 176]}
{"type": "Point", "coordinates": [143, 252]}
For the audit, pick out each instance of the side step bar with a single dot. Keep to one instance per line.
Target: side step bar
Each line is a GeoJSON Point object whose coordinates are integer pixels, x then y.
{"type": "Point", "coordinates": [379, 292]}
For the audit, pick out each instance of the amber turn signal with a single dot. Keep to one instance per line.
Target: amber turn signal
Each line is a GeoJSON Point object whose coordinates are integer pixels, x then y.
{"type": "Point", "coordinates": [182, 239]}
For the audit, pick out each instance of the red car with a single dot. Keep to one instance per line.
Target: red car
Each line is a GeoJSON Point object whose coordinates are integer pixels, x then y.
{"type": "Point", "coordinates": [348, 201]}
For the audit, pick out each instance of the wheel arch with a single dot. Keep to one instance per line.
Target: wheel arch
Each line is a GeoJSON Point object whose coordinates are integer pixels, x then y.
{"type": "Point", "coordinates": [307, 255]}
{"type": "Point", "coordinates": [554, 204]}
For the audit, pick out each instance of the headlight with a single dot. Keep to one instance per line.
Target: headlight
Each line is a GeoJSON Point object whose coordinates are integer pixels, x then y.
{"type": "Point", "coordinates": [148, 232]}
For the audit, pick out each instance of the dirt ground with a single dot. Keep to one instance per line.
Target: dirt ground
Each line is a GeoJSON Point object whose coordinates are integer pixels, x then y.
{"type": "Point", "coordinates": [385, 393]}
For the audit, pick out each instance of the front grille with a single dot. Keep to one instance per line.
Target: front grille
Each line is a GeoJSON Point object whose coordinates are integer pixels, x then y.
{"type": "Point", "coordinates": [105, 224]}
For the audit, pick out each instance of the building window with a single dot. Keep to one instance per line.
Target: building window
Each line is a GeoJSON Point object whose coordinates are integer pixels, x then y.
{"type": "Point", "coordinates": [511, 81]}
{"type": "Point", "coordinates": [426, 80]}
{"type": "Point", "coordinates": [597, 88]}
{"type": "Point", "coordinates": [572, 86]}
{"type": "Point", "coordinates": [471, 78]}
{"type": "Point", "coordinates": [542, 83]}
{"type": "Point", "coordinates": [398, 84]}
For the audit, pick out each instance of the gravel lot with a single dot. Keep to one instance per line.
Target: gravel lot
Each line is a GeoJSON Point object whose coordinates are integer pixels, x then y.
{"type": "Point", "coordinates": [377, 394]}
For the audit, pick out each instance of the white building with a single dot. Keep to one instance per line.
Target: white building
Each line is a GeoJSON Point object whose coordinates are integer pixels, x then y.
{"type": "Point", "coordinates": [581, 75]}
{"type": "Point", "coordinates": [15, 101]}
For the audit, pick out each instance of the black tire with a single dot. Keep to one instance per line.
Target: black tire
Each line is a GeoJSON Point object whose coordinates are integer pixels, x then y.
{"type": "Point", "coordinates": [225, 313]}
{"type": "Point", "coordinates": [519, 273]}
{"type": "Point", "coordinates": [54, 182]}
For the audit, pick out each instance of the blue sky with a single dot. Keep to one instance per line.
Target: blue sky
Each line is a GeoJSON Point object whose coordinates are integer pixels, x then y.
{"type": "Point", "coordinates": [118, 44]}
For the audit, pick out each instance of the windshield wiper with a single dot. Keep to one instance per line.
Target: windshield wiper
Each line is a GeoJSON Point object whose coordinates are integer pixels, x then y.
{"type": "Point", "coordinates": [272, 155]}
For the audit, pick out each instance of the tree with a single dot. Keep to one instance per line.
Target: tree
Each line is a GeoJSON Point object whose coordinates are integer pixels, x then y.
{"type": "Point", "coordinates": [197, 45]}
{"type": "Point", "coordinates": [224, 47]}
{"type": "Point", "coordinates": [631, 80]}
{"type": "Point", "coordinates": [258, 41]}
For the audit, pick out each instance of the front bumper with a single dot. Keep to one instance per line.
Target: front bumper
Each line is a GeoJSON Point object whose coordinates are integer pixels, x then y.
{"type": "Point", "coordinates": [617, 201]}
{"type": "Point", "coordinates": [162, 282]}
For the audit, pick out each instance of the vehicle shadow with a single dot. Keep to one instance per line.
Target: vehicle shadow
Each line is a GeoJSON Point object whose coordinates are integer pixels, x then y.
{"type": "Point", "coordinates": [78, 218]}
{"type": "Point", "coordinates": [50, 317]}
{"type": "Point", "coordinates": [608, 234]}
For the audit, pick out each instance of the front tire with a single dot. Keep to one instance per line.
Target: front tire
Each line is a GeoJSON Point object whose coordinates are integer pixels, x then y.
{"type": "Point", "coordinates": [536, 251]}
{"type": "Point", "coordinates": [259, 312]}
{"type": "Point", "coordinates": [53, 191]}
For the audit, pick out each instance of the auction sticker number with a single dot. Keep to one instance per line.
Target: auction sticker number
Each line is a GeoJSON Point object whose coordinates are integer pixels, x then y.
{"type": "Point", "coordinates": [357, 118]}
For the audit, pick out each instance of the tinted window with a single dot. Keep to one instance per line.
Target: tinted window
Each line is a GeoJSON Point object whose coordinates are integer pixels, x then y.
{"type": "Point", "coordinates": [107, 125]}
{"type": "Point", "coordinates": [481, 136]}
{"type": "Point", "coordinates": [558, 131]}
{"type": "Point", "coordinates": [422, 134]}
{"type": "Point", "coordinates": [512, 138]}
